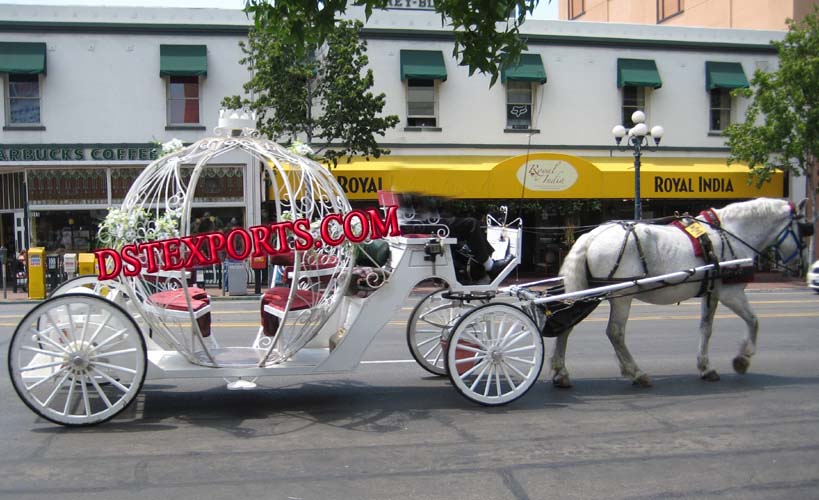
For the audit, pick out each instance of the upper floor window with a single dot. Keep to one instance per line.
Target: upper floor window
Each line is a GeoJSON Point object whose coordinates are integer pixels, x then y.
{"type": "Point", "coordinates": [183, 100]}
{"type": "Point", "coordinates": [23, 102]}
{"type": "Point", "coordinates": [519, 99]}
{"type": "Point", "coordinates": [634, 98]}
{"type": "Point", "coordinates": [668, 8]}
{"type": "Point", "coordinates": [421, 103]}
{"type": "Point", "coordinates": [720, 113]}
{"type": "Point", "coordinates": [183, 66]}
{"type": "Point", "coordinates": [576, 8]}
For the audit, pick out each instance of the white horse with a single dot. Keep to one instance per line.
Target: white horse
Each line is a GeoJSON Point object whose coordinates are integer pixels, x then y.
{"type": "Point", "coordinates": [613, 251]}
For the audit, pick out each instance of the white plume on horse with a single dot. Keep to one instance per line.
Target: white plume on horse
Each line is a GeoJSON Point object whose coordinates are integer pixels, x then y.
{"type": "Point", "coordinates": [611, 252]}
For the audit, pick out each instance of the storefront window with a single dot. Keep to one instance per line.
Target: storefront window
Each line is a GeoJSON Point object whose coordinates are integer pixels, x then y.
{"type": "Point", "coordinates": [60, 231]}
{"type": "Point", "coordinates": [121, 181]}
{"type": "Point", "coordinates": [74, 186]}
{"type": "Point", "coordinates": [218, 184]}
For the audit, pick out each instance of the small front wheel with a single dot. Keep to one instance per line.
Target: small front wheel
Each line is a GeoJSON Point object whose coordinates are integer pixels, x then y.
{"type": "Point", "coordinates": [77, 359]}
{"type": "Point", "coordinates": [429, 325]}
{"type": "Point", "coordinates": [495, 354]}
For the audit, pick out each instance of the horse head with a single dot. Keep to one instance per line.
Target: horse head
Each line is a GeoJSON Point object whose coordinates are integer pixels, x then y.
{"type": "Point", "coordinates": [769, 223]}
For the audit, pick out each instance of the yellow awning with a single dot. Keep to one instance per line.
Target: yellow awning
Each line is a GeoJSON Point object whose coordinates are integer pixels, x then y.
{"type": "Point", "coordinates": [550, 176]}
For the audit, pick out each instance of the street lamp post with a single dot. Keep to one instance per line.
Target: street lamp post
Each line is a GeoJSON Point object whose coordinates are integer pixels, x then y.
{"type": "Point", "coordinates": [637, 139]}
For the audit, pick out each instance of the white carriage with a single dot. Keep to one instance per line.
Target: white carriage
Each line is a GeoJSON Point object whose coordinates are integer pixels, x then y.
{"type": "Point", "coordinates": [81, 356]}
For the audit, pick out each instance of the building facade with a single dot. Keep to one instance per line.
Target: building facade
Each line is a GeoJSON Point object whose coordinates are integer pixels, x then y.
{"type": "Point", "coordinates": [86, 91]}
{"type": "Point", "coordinates": [742, 14]}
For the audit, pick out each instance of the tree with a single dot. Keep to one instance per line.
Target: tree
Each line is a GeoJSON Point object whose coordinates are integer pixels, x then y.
{"type": "Point", "coordinates": [781, 128]}
{"type": "Point", "coordinates": [318, 91]}
{"type": "Point", "coordinates": [486, 31]}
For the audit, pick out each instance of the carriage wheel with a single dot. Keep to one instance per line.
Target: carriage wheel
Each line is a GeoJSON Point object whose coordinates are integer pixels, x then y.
{"type": "Point", "coordinates": [495, 354]}
{"type": "Point", "coordinates": [430, 324]}
{"type": "Point", "coordinates": [89, 282]}
{"type": "Point", "coordinates": [111, 290]}
{"type": "Point", "coordinates": [77, 359]}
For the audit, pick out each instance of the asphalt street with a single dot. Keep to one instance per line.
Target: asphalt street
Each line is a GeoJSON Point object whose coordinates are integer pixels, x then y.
{"type": "Point", "coordinates": [389, 430]}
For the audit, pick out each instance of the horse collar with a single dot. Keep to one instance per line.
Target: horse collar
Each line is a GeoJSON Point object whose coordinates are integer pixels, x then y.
{"type": "Point", "coordinates": [710, 217]}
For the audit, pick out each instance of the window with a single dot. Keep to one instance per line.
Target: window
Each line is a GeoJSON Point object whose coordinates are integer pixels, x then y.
{"type": "Point", "coordinates": [576, 8]}
{"type": "Point", "coordinates": [668, 8]}
{"type": "Point", "coordinates": [183, 100]}
{"type": "Point", "coordinates": [519, 98]}
{"type": "Point", "coordinates": [421, 103]}
{"type": "Point", "coordinates": [720, 116]}
{"type": "Point", "coordinates": [634, 98]}
{"type": "Point", "coordinates": [23, 99]}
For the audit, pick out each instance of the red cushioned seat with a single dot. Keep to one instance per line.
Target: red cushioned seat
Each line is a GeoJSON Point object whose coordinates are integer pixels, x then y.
{"type": "Point", "coordinates": [276, 299]}
{"type": "Point", "coordinates": [174, 300]}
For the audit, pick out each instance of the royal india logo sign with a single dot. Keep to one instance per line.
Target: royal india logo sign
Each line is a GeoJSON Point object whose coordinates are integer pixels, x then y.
{"type": "Point", "coordinates": [547, 175]}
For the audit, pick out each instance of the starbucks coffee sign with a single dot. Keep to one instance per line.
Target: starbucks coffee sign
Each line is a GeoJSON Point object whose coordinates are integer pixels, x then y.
{"type": "Point", "coordinates": [76, 152]}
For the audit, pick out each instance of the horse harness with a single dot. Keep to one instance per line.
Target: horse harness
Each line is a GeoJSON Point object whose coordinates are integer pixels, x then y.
{"type": "Point", "coordinates": [703, 247]}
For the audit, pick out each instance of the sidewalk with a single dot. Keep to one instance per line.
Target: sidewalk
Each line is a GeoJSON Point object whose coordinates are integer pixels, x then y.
{"type": "Point", "coordinates": [762, 282]}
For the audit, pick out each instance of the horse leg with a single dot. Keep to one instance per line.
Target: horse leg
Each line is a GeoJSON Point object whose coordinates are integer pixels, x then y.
{"type": "Point", "coordinates": [738, 303]}
{"type": "Point", "coordinates": [709, 308]}
{"type": "Point", "coordinates": [560, 375]}
{"type": "Point", "coordinates": [616, 331]}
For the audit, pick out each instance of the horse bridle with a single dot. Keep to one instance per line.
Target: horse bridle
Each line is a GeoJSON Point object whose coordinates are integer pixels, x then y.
{"type": "Point", "coordinates": [803, 230]}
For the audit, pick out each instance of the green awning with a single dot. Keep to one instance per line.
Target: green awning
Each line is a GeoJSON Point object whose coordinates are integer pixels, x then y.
{"type": "Point", "coordinates": [529, 69]}
{"type": "Point", "coordinates": [423, 65]}
{"type": "Point", "coordinates": [183, 60]}
{"type": "Point", "coordinates": [638, 73]}
{"type": "Point", "coordinates": [24, 58]}
{"type": "Point", "coordinates": [725, 75]}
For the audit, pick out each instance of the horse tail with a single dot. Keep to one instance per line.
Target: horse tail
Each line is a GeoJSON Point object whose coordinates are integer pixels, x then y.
{"type": "Point", "coordinates": [574, 266]}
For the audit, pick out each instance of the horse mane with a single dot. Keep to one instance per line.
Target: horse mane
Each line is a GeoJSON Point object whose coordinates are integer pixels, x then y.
{"type": "Point", "coordinates": [757, 208]}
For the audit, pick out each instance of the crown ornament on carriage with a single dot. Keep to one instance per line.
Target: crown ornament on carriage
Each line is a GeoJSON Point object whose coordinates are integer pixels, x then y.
{"type": "Point", "coordinates": [236, 122]}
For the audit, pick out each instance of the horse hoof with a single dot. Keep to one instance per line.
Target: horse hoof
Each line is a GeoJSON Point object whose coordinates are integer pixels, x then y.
{"type": "Point", "coordinates": [562, 382]}
{"type": "Point", "coordinates": [710, 376]}
{"type": "Point", "coordinates": [643, 381]}
{"type": "Point", "coordinates": [741, 364]}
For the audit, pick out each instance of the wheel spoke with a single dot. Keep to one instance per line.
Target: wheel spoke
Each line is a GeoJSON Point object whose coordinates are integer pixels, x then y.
{"type": "Point", "coordinates": [45, 365]}
{"type": "Point", "coordinates": [116, 335]}
{"type": "Point", "coordinates": [498, 382]}
{"type": "Point", "coordinates": [519, 349]}
{"type": "Point", "coordinates": [54, 324]}
{"type": "Point", "coordinates": [47, 340]}
{"type": "Point", "coordinates": [474, 340]}
{"type": "Point", "coordinates": [113, 353]}
{"type": "Point", "coordinates": [479, 364]}
{"type": "Point", "coordinates": [464, 347]}
{"type": "Point", "coordinates": [469, 360]}
{"type": "Point", "coordinates": [488, 382]}
{"type": "Point", "coordinates": [514, 369]}
{"type": "Point", "coordinates": [479, 377]}
{"type": "Point", "coordinates": [86, 403]}
{"type": "Point", "coordinates": [431, 339]}
{"type": "Point", "coordinates": [100, 327]}
{"type": "Point", "coordinates": [46, 379]}
{"type": "Point", "coordinates": [42, 351]}
{"type": "Point", "coordinates": [56, 388]}
{"type": "Point", "coordinates": [110, 380]}
{"type": "Point", "coordinates": [100, 392]}
{"type": "Point", "coordinates": [521, 360]}
{"type": "Point", "coordinates": [435, 348]}
{"type": "Point", "coordinates": [508, 378]}
{"type": "Point", "coordinates": [70, 396]}
{"type": "Point", "coordinates": [518, 335]}
{"type": "Point", "coordinates": [115, 367]}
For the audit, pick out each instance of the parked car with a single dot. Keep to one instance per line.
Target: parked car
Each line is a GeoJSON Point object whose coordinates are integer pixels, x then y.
{"type": "Point", "coordinates": [813, 276]}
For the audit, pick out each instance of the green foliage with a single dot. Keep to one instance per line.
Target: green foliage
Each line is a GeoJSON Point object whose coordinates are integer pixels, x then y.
{"type": "Point", "coordinates": [486, 31]}
{"type": "Point", "coordinates": [781, 128]}
{"type": "Point", "coordinates": [319, 92]}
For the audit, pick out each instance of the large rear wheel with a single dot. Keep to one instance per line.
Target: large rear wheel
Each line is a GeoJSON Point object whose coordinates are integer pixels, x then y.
{"type": "Point", "coordinates": [77, 359]}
